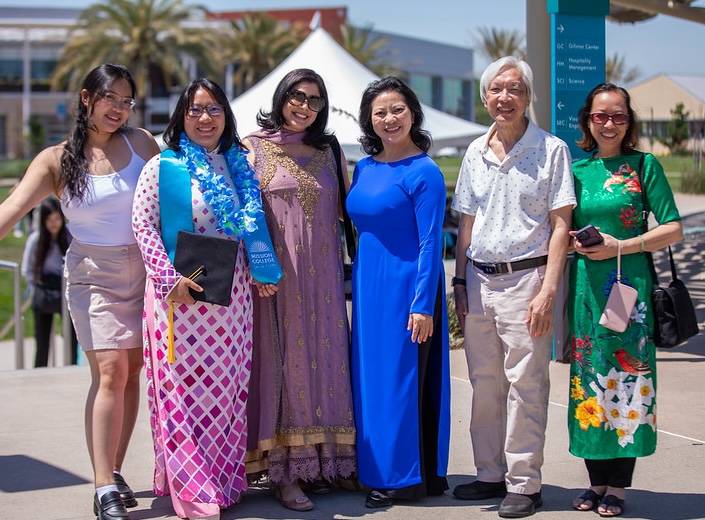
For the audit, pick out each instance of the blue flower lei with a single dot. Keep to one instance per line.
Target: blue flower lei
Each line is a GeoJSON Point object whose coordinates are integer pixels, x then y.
{"type": "Point", "coordinates": [216, 192]}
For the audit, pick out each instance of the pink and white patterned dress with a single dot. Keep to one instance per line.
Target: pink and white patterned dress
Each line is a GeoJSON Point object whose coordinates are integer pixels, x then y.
{"type": "Point", "coordinates": [197, 404]}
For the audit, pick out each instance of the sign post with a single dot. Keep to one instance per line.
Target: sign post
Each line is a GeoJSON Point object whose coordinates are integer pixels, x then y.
{"type": "Point", "coordinates": [577, 62]}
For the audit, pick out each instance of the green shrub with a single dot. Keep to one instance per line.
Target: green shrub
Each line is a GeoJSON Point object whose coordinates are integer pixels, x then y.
{"type": "Point", "coordinates": [693, 182]}
{"type": "Point", "coordinates": [456, 335]}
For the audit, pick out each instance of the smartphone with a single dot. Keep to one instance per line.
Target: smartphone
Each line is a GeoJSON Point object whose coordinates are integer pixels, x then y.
{"type": "Point", "coordinates": [589, 236]}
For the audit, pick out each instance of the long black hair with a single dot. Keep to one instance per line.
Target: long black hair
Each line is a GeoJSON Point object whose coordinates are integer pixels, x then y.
{"type": "Point", "coordinates": [631, 138]}
{"type": "Point", "coordinates": [47, 207]}
{"type": "Point", "coordinates": [74, 164]}
{"type": "Point", "coordinates": [172, 134]}
{"type": "Point", "coordinates": [273, 121]}
{"type": "Point", "coordinates": [371, 142]}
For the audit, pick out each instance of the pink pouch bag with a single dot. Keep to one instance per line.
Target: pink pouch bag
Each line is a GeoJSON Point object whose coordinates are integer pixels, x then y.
{"type": "Point", "coordinates": [620, 302]}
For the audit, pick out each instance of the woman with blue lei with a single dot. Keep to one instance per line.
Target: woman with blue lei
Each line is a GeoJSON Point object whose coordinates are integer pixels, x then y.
{"type": "Point", "coordinates": [197, 395]}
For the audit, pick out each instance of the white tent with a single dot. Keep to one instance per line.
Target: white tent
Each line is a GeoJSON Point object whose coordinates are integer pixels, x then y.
{"type": "Point", "coordinates": [345, 79]}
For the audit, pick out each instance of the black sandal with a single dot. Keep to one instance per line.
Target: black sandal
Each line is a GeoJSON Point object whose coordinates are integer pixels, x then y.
{"type": "Point", "coordinates": [611, 501]}
{"type": "Point", "coordinates": [376, 499]}
{"type": "Point", "coordinates": [587, 496]}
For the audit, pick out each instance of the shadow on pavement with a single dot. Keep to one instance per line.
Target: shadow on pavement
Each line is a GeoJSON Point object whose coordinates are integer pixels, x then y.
{"type": "Point", "coordinates": [19, 473]}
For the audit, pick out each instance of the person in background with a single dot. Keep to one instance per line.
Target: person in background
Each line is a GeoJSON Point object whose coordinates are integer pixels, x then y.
{"type": "Point", "coordinates": [515, 195]}
{"type": "Point", "coordinates": [43, 265]}
{"type": "Point", "coordinates": [300, 418]}
{"type": "Point", "coordinates": [94, 174]}
{"type": "Point", "coordinates": [612, 405]}
{"type": "Point", "coordinates": [197, 400]}
{"type": "Point", "coordinates": [400, 364]}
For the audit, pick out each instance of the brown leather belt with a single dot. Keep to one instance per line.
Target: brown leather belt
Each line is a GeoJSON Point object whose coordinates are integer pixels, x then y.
{"type": "Point", "coordinates": [510, 267]}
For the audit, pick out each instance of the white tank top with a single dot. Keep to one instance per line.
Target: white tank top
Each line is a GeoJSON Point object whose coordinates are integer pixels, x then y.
{"type": "Point", "coordinates": [104, 218]}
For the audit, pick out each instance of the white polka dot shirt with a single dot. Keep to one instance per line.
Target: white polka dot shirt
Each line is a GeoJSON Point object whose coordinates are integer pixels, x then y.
{"type": "Point", "coordinates": [511, 199]}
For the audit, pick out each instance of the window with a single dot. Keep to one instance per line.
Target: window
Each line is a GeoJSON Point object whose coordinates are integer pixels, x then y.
{"type": "Point", "coordinates": [453, 98]}
{"type": "Point", "coordinates": [423, 87]}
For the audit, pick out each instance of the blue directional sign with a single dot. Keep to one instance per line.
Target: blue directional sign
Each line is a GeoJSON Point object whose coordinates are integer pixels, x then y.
{"type": "Point", "coordinates": [577, 66]}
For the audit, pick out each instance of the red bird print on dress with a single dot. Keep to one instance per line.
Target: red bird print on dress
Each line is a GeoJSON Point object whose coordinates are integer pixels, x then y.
{"type": "Point", "coordinates": [631, 364]}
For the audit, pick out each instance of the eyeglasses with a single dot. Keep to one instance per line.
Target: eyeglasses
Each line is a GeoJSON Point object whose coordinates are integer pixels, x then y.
{"type": "Point", "coordinates": [119, 102]}
{"type": "Point", "coordinates": [214, 110]}
{"type": "Point", "coordinates": [602, 118]}
{"type": "Point", "coordinates": [512, 89]}
{"type": "Point", "coordinates": [298, 98]}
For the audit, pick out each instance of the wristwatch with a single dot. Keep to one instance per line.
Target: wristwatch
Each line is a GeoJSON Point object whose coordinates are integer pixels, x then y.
{"type": "Point", "coordinates": [457, 281]}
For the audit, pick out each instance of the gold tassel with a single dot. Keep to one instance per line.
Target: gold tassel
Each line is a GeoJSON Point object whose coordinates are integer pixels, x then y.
{"type": "Point", "coordinates": [170, 354]}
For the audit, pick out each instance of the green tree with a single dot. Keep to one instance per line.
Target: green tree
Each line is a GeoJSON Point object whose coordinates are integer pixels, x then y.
{"type": "Point", "coordinates": [616, 71]}
{"type": "Point", "coordinates": [37, 135]}
{"type": "Point", "coordinates": [368, 50]}
{"type": "Point", "coordinates": [496, 43]}
{"type": "Point", "coordinates": [143, 35]}
{"type": "Point", "coordinates": [677, 130]}
{"type": "Point", "coordinates": [256, 44]}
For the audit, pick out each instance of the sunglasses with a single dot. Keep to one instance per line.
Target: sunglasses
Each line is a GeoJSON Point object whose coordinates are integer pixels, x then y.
{"type": "Point", "coordinates": [214, 110]}
{"type": "Point", "coordinates": [119, 102]}
{"type": "Point", "coordinates": [298, 98]}
{"type": "Point", "coordinates": [617, 119]}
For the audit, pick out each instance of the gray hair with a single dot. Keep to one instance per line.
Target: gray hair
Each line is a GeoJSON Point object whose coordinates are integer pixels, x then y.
{"type": "Point", "coordinates": [497, 67]}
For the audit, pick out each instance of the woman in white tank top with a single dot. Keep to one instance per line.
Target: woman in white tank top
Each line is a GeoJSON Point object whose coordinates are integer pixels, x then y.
{"type": "Point", "coordinates": [94, 174]}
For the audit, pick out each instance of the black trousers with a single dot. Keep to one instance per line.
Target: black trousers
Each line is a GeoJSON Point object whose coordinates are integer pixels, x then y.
{"type": "Point", "coordinates": [42, 333]}
{"type": "Point", "coordinates": [611, 472]}
{"type": "Point", "coordinates": [432, 484]}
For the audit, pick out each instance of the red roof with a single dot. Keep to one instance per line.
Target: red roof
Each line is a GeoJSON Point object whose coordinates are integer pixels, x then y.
{"type": "Point", "coordinates": [331, 17]}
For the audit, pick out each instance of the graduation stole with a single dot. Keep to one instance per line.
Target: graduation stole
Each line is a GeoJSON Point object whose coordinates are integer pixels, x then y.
{"type": "Point", "coordinates": [177, 215]}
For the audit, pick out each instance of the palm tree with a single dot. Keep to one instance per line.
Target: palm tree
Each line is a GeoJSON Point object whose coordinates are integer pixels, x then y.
{"type": "Point", "coordinates": [369, 51]}
{"type": "Point", "coordinates": [617, 72]}
{"type": "Point", "coordinates": [143, 35]}
{"type": "Point", "coordinates": [256, 44]}
{"type": "Point", "coordinates": [496, 43]}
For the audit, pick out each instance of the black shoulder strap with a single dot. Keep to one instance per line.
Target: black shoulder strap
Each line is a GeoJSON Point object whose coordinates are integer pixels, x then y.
{"type": "Point", "coordinates": [347, 223]}
{"type": "Point", "coordinates": [642, 187]}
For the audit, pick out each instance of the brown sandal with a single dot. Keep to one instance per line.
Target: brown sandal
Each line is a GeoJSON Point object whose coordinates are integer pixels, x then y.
{"type": "Point", "coordinates": [300, 503]}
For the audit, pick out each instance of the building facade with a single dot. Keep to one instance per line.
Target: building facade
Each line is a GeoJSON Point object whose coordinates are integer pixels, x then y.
{"type": "Point", "coordinates": [31, 40]}
{"type": "Point", "coordinates": [654, 99]}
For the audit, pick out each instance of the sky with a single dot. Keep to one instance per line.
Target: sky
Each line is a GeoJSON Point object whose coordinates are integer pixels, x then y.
{"type": "Point", "coordinates": [657, 46]}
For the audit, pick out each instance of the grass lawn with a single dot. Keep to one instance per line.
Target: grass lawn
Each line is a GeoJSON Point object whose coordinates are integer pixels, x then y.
{"type": "Point", "coordinates": [11, 249]}
{"type": "Point", "coordinates": [674, 167]}
{"type": "Point", "coordinates": [13, 169]}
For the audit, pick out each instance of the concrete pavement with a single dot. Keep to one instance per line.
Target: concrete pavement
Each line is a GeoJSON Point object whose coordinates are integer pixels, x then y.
{"type": "Point", "coordinates": [45, 470]}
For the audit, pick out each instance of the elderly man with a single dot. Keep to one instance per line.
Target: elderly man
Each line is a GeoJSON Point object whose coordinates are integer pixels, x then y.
{"type": "Point", "coordinates": [515, 195]}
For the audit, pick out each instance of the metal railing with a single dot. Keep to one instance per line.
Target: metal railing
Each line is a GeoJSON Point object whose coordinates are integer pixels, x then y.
{"type": "Point", "coordinates": [17, 312]}
{"type": "Point", "coordinates": [18, 319]}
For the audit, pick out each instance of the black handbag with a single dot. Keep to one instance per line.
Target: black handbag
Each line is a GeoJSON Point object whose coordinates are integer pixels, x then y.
{"type": "Point", "coordinates": [674, 314]}
{"type": "Point", "coordinates": [348, 228]}
{"type": "Point", "coordinates": [47, 295]}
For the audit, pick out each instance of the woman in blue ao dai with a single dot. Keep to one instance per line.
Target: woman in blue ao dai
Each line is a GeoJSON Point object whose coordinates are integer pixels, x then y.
{"type": "Point", "coordinates": [400, 337]}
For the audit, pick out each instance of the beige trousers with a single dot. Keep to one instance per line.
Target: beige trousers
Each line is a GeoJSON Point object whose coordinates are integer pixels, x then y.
{"type": "Point", "coordinates": [510, 378]}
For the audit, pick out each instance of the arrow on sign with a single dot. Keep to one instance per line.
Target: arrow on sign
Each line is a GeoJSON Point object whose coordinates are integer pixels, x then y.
{"type": "Point", "coordinates": [560, 28]}
{"type": "Point", "coordinates": [560, 105]}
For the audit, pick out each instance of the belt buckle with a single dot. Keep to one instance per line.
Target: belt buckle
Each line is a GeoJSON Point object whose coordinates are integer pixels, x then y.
{"type": "Point", "coordinates": [489, 268]}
